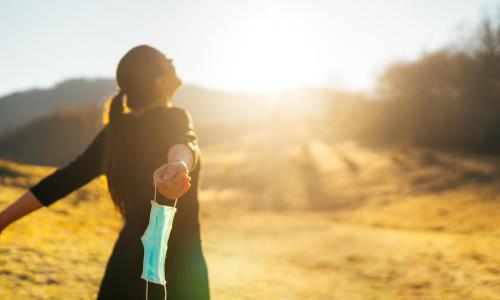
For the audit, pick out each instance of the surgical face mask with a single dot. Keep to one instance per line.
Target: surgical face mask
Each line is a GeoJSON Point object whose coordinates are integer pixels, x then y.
{"type": "Point", "coordinates": [155, 240]}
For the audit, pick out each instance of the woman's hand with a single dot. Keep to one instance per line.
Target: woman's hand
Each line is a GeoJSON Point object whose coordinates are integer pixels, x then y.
{"type": "Point", "coordinates": [173, 179]}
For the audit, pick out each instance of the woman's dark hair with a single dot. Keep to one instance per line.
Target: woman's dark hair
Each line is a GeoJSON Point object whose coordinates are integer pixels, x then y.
{"type": "Point", "coordinates": [135, 76]}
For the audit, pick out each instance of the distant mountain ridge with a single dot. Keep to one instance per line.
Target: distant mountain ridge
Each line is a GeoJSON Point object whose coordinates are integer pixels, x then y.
{"type": "Point", "coordinates": [35, 123]}
{"type": "Point", "coordinates": [17, 109]}
{"type": "Point", "coordinates": [20, 107]}
{"type": "Point", "coordinates": [52, 139]}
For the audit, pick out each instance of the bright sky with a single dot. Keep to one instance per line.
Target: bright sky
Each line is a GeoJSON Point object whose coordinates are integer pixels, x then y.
{"type": "Point", "coordinates": [241, 45]}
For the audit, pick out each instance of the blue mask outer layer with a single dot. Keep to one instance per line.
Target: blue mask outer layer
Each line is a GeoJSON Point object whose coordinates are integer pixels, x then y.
{"type": "Point", "coordinates": [155, 240]}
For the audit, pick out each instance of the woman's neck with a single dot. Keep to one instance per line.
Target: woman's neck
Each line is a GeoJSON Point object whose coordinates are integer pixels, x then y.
{"type": "Point", "coordinates": [167, 103]}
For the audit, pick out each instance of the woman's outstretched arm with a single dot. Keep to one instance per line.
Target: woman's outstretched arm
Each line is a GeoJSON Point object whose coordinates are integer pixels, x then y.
{"type": "Point", "coordinates": [80, 171]}
{"type": "Point", "coordinates": [184, 140]}
{"type": "Point", "coordinates": [59, 183]}
{"type": "Point", "coordinates": [180, 161]}
{"type": "Point", "coordinates": [182, 153]}
{"type": "Point", "coordinates": [24, 205]}
{"type": "Point", "coordinates": [182, 157]}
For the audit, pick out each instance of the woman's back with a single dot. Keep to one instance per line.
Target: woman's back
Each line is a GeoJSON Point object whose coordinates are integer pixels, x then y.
{"type": "Point", "coordinates": [145, 146]}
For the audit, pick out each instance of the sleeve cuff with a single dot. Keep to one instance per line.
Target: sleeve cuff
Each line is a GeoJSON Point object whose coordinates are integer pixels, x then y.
{"type": "Point", "coordinates": [38, 195]}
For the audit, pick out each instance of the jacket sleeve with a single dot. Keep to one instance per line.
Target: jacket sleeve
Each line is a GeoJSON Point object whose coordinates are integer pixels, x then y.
{"type": "Point", "coordinates": [182, 132]}
{"type": "Point", "coordinates": [66, 179]}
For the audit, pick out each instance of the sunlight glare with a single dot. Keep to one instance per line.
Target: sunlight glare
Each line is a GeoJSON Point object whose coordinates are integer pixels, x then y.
{"type": "Point", "coordinates": [270, 55]}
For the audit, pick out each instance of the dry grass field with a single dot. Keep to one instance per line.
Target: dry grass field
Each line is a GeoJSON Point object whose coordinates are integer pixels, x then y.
{"type": "Point", "coordinates": [286, 215]}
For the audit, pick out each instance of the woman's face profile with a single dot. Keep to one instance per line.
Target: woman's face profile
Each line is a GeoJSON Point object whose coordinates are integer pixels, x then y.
{"type": "Point", "coordinates": [168, 82]}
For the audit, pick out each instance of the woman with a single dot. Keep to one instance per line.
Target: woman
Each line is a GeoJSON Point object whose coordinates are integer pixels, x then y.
{"type": "Point", "coordinates": [153, 143]}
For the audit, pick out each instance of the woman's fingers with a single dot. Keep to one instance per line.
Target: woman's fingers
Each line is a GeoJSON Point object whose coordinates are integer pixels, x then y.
{"type": "Point", "coordinates": [179, 193]}
{"type": "Point", "coordinates": [169, 171]}
{"type": "Point", "coordinates": [186, 185]}
{"type": "Point", "coordinates": [184, 189]}
{"type": "Point", "coordinates": [164, 185]}
{"type": "Point", "coordinates": [177, 183]}
{"type": "Point", "coordinates": [176, 187]}
{"type": "Point", "coordinates": [180, 181]}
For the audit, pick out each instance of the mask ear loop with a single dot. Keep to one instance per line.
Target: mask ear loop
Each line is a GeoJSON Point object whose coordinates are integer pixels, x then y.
{"type": "Point", "coordinates": [156, 183]}
{"type": "Point", "coordinates": [164, 289]}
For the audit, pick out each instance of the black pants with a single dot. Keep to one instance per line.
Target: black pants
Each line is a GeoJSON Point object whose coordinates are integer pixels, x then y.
{"type": "Point", "coordinates": [185, 268]}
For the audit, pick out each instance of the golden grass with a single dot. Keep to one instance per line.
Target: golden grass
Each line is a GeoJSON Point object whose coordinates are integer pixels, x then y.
{"type": "Point", "coordinates": [288, 216]}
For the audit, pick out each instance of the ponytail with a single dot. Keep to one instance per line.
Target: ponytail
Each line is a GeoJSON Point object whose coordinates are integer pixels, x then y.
{"type": "Point", "coordinates": [116, 108]}
{"type": "Point", "coordinates": [115, 119]}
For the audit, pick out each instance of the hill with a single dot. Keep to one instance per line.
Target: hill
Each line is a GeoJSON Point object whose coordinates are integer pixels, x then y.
{"type": "Point", "coordinates": [20, 107]}
{"type": "Point", "coordinates": [205, 105]}
{"type": "Point", "coordinates": [34, 124]}
{"type": "Point", "coordinates": [53, 139]}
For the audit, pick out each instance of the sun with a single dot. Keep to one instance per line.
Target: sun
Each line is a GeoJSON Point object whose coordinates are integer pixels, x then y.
{"type": "Point", "coordinates": [271, 53]}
